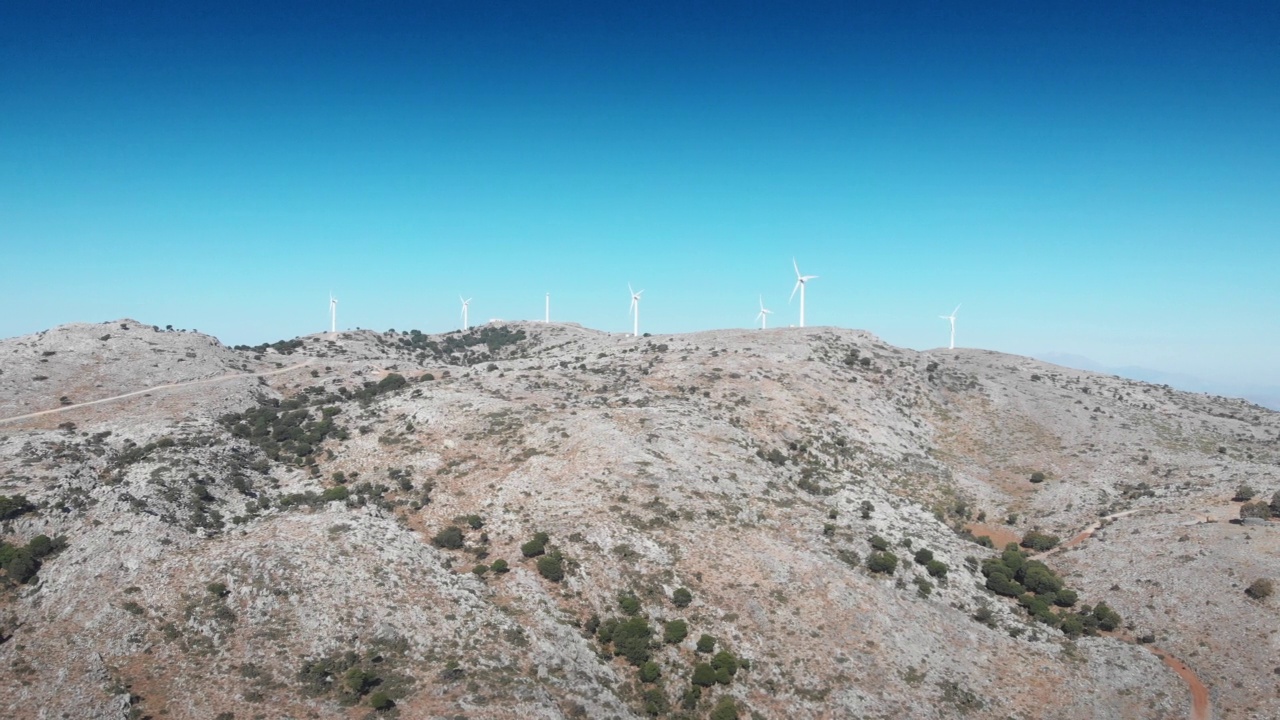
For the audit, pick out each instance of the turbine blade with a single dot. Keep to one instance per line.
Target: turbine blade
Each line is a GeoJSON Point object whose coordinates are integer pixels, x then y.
{"type": "Point", "coordinates": [796, 266]}
{"type": "Point", "coordinates": [793, 291]}
{"type": "Point", "coordinates": [953, 312]}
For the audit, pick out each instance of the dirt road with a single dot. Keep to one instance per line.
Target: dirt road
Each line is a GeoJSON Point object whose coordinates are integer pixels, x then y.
{"type": "Point", "coordinates": [1200, 709]}
{"type": "Point", "coordinates": [135, 393]}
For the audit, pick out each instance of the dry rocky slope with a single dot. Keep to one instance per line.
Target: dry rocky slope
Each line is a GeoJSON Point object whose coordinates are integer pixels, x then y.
{"type": "Point", "coordinates": [262, 546]}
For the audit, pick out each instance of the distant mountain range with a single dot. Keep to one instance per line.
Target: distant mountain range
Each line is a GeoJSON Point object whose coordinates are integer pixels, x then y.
{"type": "Point", "coordinates": [1264, 395]}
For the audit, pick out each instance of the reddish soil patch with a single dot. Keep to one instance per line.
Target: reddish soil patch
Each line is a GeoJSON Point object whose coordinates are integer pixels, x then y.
{"type": "Point", "coordinates": [1199, 693]}
{"type": "Point", "coordinates": [1000, 536]}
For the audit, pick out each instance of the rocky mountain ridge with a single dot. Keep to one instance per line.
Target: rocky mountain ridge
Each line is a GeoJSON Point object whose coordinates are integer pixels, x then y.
{"type": "Point", "coordinates": [300, 529]}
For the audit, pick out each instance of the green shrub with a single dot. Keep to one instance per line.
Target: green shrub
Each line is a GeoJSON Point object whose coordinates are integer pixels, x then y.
{"type": "Point", "coordinates": [474, 522]}
{"type": "Point", "coordinates": [217, 589]}
{"type": "Point", "coordinates": [631, 640]}
{"type": "Point", "coordinates": [689, 700]}
{"type": "Point", "coordinates": [882, 562]}
{"type": "Point", "coordinates": [725, 709]}
{"type": "Point", "coordinates": [681, 597]}
{"type": "Point", "coordinates": [1037, 477]}
{"type": "Point", "coordinates": [1038, 541]}
{"type": "Point", "coordinates": [1072, 626]}
{"type": "Point", "coordinates": [706, 643]}
{"type": "Point", "coordinates": [1107, 618]}
{"type": "Point", "coordinates": [1259, 509]}
{"type": "Point", "coordinates": [536, 546]}
{"type": "Point", "coordinates": [1000, 583]}
{"type": "Point", "coordinates": [359, 681]}
{"type": "Point", "coordinates": [1259, 589]}
{"type": "Point", "coordinates": [725, 665]}
{"type": "Point", "coordinates": [865, 509]}
{"type": "Point", "coordinates": [339, 492]}
{"type": "Point", "coordinates": [551, 566]}
{"type": "Point", "coordinates": [655, 702]}
{"type": "Point", "coordinates": [1275, 503]}
{"type": "Point", "coordinates": [649, 672]}
{"type": "Point", "coordinates": [675, 631]}
{"type": "Point", "coordinates": [923, 556]}
{"type": "Point", "coordinates": [480, 570]}
{"type": "Point", "coordinates": [936, 568]}
{"type": "Point", "coordinates": [1065, 597]}
{"type": "Point", "coordinates": [12, 507]}
{"type": "Point", "coordinates": [381, 702]}
{"type": "Point", "coordinates": [879, 543]}
{"type": "Point", "coordinates": [449, 538]}
{"type": "Point", "coordinates": [1244, 493]}
{"type": "Point", "coordinates": [629, 603]}
{"type": "Point", "coordinates": [703, 675]}
{"type": "Point", "coordinates": [499, 566]}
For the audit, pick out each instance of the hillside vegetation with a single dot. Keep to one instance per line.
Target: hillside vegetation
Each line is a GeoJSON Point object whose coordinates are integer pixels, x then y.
{"type": "Point", "coordinates": [543, 521]}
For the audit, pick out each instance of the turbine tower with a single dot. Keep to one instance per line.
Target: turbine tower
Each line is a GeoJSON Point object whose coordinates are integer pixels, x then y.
{"type": "Point", "coordinates": [763, 317]}
{"type": "Point", "coordinates": [952, 319]}
{"type": "Point", "coordinates": [465, 304]}
{"type": "Point", "coordinates": [800, 283]}
{"type": "Point", "coordinates": [333, 313]}
{"type": "Point", "coordinates": [548, 316]}
{"type": "Point", "coordinates": [635, 310]}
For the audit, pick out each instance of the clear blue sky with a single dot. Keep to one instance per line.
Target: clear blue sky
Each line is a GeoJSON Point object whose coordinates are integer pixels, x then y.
{"type": "Point", "coordinates": [1085, 178]}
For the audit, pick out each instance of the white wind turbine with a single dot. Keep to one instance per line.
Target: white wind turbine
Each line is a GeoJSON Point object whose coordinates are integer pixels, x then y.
{"type": "Point", "coordinates": [333, 313]}
{"type": "Point", "coordinates": [465, 304]}
{"type": "Point", "coordinates": [952, 319]}
{"type": "Point", "coordinates": [763, 317]}
{"type": "Point", "coordinates": [800, 283]}
{"type": "Point", "coordinates": [635, 310]}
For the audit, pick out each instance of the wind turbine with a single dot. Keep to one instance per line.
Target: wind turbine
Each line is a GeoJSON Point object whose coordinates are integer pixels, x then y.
{"type": "Point", "coordinates": [800, 283]}
{"type": "Point", "coordinates": [465, 304]}
{"type": "Point", "coordinates": [333, 313]}
{"type": "Point", "coordinates": [635, 309]}
{"type": "Point", "coordinates": [952, 318]}
{"type": "Point", "coordinates": [763, 317]}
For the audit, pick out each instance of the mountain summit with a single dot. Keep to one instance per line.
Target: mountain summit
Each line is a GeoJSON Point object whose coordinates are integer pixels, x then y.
{"type": "Point", "coordinates": [533, 520]}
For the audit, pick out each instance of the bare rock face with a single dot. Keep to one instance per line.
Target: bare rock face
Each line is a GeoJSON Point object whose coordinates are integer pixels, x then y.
{"type": "Point", "coordinates": [543, 521]}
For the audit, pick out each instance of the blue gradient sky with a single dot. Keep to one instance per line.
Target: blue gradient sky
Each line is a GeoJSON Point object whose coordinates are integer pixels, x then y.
{"type": "Point", "coordinates": [1084, 178]}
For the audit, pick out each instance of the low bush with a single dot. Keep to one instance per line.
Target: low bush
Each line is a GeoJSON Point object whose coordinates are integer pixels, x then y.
{"type": "Point", "coordinates": [706, 643]}
{"type": "Point", "coordinates": [703, 675]}
{"type": "Point", "coordinates": [1259, 589]}
{"type": "Point", "coordinates": [726, 709]}
{"type": "Point", "coordinates": [536, 546]}
{"type": "Point", "coordinates": [1038, 541]}
{"type": "Point", "coordinates": [12, 507]}
{"type": "Point", "coordinates": [675, 631]}
{"type": "Point", "coordinates": [681, 597]}
{"type": "Point", "coordinates": [551, 566]}
{"type": "Point", "coordinates": [882, 562]}
{"type": "Point", "coordinates": [1257, 509]}
{"type": "Point", "coordinates": [629, 603]}
{"type": "Point", "coordinates": [923, 556]}
{"type": "Point", "coordinates": [1244, 493]}
{"type": "Point", "coordinates": [449, 538]}
{"type": "Point", "coordinates": [1037, 477]}
{"type": "Point", "coordinates": [936, 568]}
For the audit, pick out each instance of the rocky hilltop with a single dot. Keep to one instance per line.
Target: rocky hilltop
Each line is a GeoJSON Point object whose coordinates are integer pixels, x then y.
{"type": "Point", "coordinates": [544, 521]}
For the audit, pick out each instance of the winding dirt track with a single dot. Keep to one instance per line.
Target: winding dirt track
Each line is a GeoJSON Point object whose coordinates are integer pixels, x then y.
{"type": "Point", "coordinates": [135, 393]}
{"type": "Point", "coordinates": [1200, 708]}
